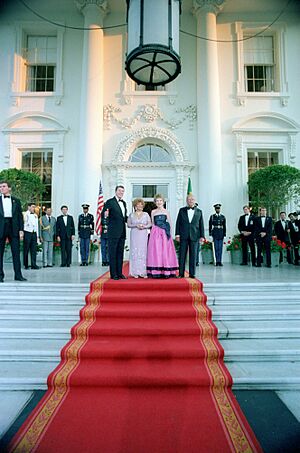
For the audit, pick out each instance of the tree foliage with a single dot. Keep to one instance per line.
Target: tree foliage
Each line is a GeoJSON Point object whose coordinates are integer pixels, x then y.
{"type": "Point", "coordinates": [26, 186]}
{"type": "Point", "coordinates": [274, 187]}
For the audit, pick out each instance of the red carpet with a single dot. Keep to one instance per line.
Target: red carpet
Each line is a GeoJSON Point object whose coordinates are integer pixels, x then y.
{"type": "Point", "coordinates": [143, 373]}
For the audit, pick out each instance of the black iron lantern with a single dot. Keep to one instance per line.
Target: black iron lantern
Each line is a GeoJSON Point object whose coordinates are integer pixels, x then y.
{"type": "Point", "coordinates": [153, 41]}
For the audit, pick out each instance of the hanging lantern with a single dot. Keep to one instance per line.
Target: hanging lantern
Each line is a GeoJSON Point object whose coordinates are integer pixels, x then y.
{"type": "Point", "coordinates": [153, 41]}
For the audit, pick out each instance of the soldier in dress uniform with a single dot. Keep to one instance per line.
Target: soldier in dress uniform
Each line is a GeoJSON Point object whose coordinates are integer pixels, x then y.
{"type": "Point", "coordinates": [217, 229]}
{"type": "Point", "coordinates": [85, 230]}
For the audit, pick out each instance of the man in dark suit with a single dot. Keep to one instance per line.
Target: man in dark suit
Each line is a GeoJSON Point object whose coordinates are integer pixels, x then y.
{"type": "Point", "coordinates": [115, 211]}
{"type": "Point", "coordinates": [246, 227]}
{"type": "Point", "coordinates": [189, 232]}
{"type": "Point", "coordinates": [263, 234]}
{"type": "Point", "coordinates": [65, 231]}
{"type": "Point", "coordinates": [85, 230]}
{"type": "Point", "coordinates": [11, 228]}
{"type": "Point", "coordinates": [282, 233]}
{"type": "Point", "coordinates": [294, 227]}
{"type": "Point", "coordinates": [217, 229]}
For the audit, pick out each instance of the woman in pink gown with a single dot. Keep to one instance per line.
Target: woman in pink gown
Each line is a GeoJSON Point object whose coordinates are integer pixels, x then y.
{"type": "Point", "coordinates": [138, 222]}
{"type": "Point", "coordinates": [161, 258]}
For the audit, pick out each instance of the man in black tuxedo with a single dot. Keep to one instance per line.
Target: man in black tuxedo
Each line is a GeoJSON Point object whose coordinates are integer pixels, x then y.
{"type": "Point", "coordinates": [65, 231]}
{"type": "Point", "coordinates": [282, 233]}
{"type": "Point", "coordinates": [189, 232]}
{"type": "Point", "coordinates": [11, 228]}
{"type": "Point", "coordinates": [246, 227]}
{"type": "Point", "coordinates": [263, 234]}
{"type": "Point", "coordinates": [294, 227]}
{"type": "Point", "coordinates": [115, 211]}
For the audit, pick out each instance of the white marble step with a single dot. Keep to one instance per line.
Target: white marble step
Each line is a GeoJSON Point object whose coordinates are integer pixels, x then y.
{"type": "Point", "coordinates": [276, 329]}
{"type": "Point", "coordinates": [265, 349]}
{"type": "Point", "coordinates": [71, 309]}
{"type": "Point", "coordinates": [259, 376]}
{"type": "Point", "coordinates": [244, 350]}
{"type": "Point", "coordinates": [246, 375]}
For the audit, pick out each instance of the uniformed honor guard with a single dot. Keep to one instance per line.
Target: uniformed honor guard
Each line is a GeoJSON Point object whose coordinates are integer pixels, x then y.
{"type": "Point", "coordinates": [85, 230]}
{"type": "Point", "coordinates": [217, 229]}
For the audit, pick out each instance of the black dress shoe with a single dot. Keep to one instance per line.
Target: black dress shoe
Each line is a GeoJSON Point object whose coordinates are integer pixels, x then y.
{"type": "Point", "coordinates": [62, 265]}
{"type": "Point", "coordinates": [26, 267]}
{"type": "Point", "coordinates": [258, 265]}
{"type": "Point", "coordinates": [244, 264]}
{"type": "Point", "coordinates": [1, 280]}
{"type": "Point", "coordinates": [45, 266]}
{"type": "Point", "coordinates": [81, 264]}
{"type": "Point", "coordinates": [115, 278]}
{"type": "Point", "coordinates": [48, 265]}
{"type": "Point", "coordinates": [68, 265]}
{"type": "Point", "coordinates": [21, 279]}
{"type": "Point", "coordinates": [180, 276]}
{"type": "Point", "coordinates": [192, 276]}
{"type": "Point", "coordinates": [35, 267]}
{"type": "Point", "coordinates": [122, 277]}
{"type": "Point", "coordinates": [269, 265]}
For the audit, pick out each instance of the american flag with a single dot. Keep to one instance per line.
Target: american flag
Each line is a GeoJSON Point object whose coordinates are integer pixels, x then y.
{"type": "Point", "coordinates": [100, 205]}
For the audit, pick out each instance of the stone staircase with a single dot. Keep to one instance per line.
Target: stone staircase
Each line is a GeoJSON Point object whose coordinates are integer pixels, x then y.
{"type": "Point", "coordinates": [259, 328]}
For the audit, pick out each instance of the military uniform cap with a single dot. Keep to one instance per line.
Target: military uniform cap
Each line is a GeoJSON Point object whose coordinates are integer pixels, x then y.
{"type": "Point", "coordinates": [217, 205]}
{"type": "Point", "coordinates": [85, 205]}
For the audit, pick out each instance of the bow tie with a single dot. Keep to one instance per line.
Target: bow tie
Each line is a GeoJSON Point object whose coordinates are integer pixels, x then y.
{"type": "Point", "coordinates": [120, 200]}
{"type": "Point", "coordinates": [191, 208]}
{"type": "Point", "coordinates": [6, 196]}
{"type": "Point", "coordinates": [263, 217]}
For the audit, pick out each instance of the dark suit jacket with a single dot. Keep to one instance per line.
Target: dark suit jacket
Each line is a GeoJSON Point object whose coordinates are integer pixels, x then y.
{"type": "Point", "coordinates": [295, 236]}
{"type": "Point", "coordinates": [268, 228]}
{"type": "Point", "coordinates": [116, 220]}
{"type": "Point", "coordinates": [251, 224]}
{"type": "Point", "coordinates": [187, 230]}
{"type": "Point", "coordinates": [17, 217]}
{"type": "Point", "coordinates": [281, 233]}
{"type": "Point", "coordinates": [63, 231]}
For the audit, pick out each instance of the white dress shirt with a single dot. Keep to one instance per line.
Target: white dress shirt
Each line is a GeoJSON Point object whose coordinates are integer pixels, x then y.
{"type": "Point", "coordinates": [31, 222]}
{"type": "Point", "coordinates": [263, 221]}
{"type": "Point", "coordinates": [7, 206]}
{"type": "Point", "coordinates": [247, 219]}
{"type": "Point", "coordinates": [121, 204]}
{"type": "Point", "coordinates": [190, 213]}
{"type": "Point", "coordinates": [65, 217]}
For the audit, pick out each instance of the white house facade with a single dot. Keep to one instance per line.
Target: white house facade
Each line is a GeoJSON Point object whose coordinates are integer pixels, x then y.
{"type": "Point", "coordinates": [69, 112]}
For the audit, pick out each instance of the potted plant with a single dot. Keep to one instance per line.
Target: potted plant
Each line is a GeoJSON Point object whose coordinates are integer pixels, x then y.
{"type": "Point", "coordinates": [207, 252]}
{"type": "Point", "coordinates": [277, 246]}
{"type": "Point", "coordinates": [56, 253]}
{"type": "Point", "coordinates": [94, 246]}
{"type": "Point", "coordinates": [234, 247]}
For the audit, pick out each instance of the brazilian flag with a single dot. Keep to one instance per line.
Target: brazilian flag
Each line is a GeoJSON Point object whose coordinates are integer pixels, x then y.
{"type": "Point", "coordinates": [189, 188]}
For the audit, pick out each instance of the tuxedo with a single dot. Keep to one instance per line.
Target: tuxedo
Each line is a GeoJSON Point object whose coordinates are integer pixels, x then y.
{"type": "Point", "coordinates": [263, 241]}
{"type": "Point", "coordinates": [295, 238]}
{"type": "Point", "coordinates": [65, 232]}
{"type": "Point", "coordinates": [116, 233]}
{"type": "Point", "coordinates": [189, 233]}
{"type": "Point", "coordinates": [282, 234]}
{"type": "Point", "coordinates": [10, 228]}
{"type": "Point", "coordinates": [248, 226]}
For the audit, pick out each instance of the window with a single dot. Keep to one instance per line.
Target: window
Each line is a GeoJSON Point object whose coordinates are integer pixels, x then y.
{"type": "Point", "coordinates": [261, 159]}
{"type": "Point", "coordinates": [40, 56]}
{"type": "Point", "coordinates": [148, 192]}
{"type": "Point", "coordinates": [150, 153]}
{"type": "Point", "coordinates": [259, 64]}
{"type": "Point", "coordinates": [39, 161]}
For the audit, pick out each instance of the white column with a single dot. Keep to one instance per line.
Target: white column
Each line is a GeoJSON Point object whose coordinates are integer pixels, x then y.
{"type": "Point", "coordinates": [91, 107]}
{"type": "Point", "coordinates": [208, 105]}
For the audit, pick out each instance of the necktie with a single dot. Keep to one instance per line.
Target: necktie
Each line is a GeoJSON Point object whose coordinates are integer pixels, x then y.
{"type": "Point", "coordinates": [49, 219]}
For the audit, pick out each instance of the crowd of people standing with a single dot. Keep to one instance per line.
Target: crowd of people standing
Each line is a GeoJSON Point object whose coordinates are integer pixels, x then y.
{"type": "Point", "coordinates": [152, 250]}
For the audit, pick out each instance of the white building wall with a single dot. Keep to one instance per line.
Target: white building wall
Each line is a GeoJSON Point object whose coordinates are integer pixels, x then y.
{"type": "Point", "coordinates": [64, 109]}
